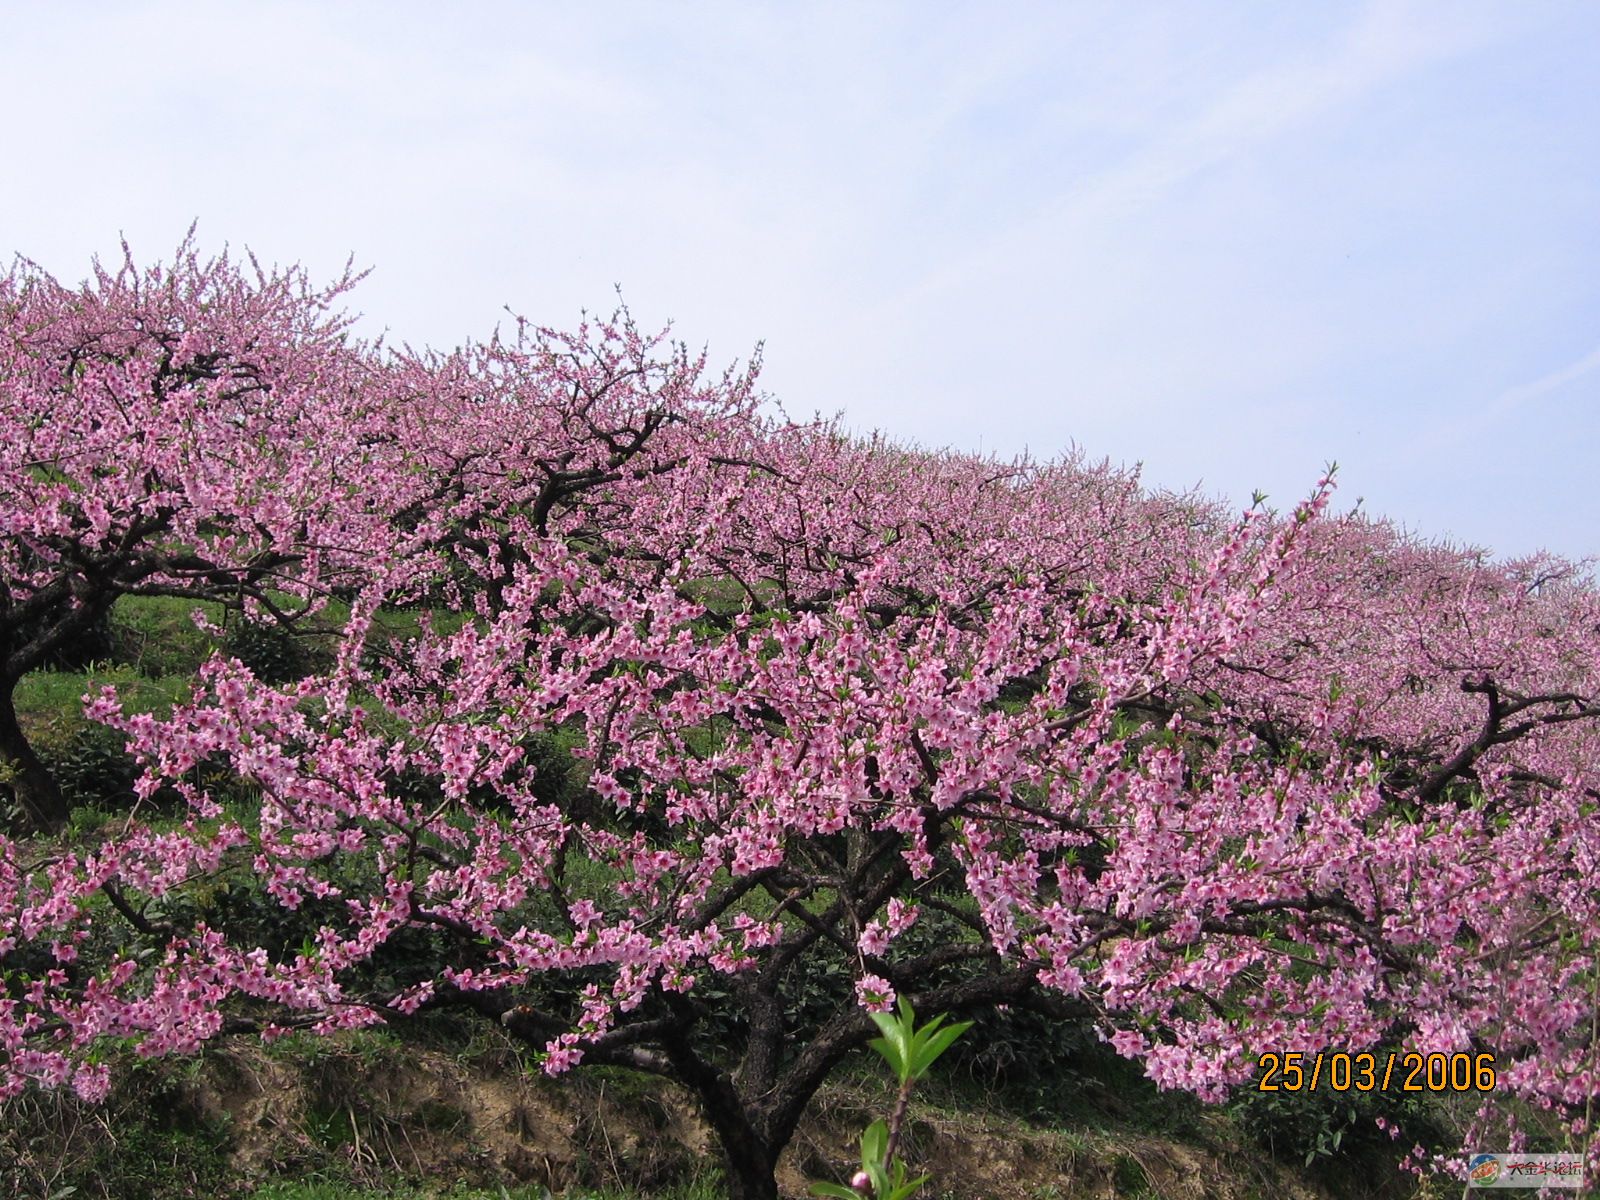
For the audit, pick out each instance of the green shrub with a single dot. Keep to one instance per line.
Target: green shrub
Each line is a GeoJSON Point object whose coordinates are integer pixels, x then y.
{"type": "Point", "coordinates": [273, 654]}
{"type": "Point", "coordinates": [1319, 1126]}
{"type": "Point", "coordinates": [94, 768]}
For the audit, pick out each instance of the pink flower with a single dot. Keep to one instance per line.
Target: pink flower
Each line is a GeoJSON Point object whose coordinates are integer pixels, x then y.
{"type": "Point", "coordinates": [561, 1059]}
{"type": "Point", "coordinates": [874, 939]}
{"type": "Point", "coordinates": [874, 993]}
{"type": "Point", "coordinates": [92, 1082]}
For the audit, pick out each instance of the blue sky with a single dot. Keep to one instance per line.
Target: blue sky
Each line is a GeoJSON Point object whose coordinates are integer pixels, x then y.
{"type": "Point", "coordinates": [1232, 241]}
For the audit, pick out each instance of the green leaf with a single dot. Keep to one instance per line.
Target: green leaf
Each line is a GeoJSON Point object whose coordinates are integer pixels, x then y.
{"type": "Point", "coordinates": [909, 1188]}
{"type": "Point", "coordinates": [874, 1141]}
{"type": "Point", "coordinates": [897, 1034]}
{"type": "Point", "coordinates": [879, 1177]}
{"type": "Point", "coordinates": [891, 1055]}
{"type": "Point", "coordinates": [834, 1190]}
{"type": "Point", "coordinates": [931, 1048]}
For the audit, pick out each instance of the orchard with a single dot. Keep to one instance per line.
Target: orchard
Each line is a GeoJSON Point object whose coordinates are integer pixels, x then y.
{"type": "Point", "coordinates": [694, 708]}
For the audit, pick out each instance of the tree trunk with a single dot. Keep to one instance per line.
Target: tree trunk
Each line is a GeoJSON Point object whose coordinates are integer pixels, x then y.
{"type": "Point", "coordinates": [30, 783]}
{"type": "Point", "coordinates": [752, 1168]}
{"type": "Point", "coordinates": [748, 1152]}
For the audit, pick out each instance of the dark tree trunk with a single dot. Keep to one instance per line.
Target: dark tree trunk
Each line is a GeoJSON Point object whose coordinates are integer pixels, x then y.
{"type": "Point", "coordinates": [748, 1150]}
{"type": "Point", "coordinates": [745, 1132]}
{"type": "Point", "coordinates": [752, 1170]}
{"type": "Point", "coordinates": [43, 807]}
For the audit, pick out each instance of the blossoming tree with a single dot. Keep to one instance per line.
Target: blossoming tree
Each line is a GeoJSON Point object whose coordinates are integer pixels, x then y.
{"type": "Point", "coordinates": [730, 708]}
{"type": "Point", "coordinates": [191, 430]}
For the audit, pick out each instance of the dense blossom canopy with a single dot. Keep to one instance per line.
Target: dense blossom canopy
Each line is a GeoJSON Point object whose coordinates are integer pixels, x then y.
{"type": "Point", "coordinates": [696, 698]}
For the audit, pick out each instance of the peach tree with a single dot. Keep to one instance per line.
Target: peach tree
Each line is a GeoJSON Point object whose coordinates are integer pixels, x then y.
{"type": "Point", "coordinates": [718, 735]}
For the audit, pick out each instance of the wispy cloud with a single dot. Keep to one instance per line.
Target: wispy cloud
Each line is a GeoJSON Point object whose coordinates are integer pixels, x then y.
{"type": "Point", "coordinates": [1526, 393]}
{"type": "Point", "coordinates": [1384, 44]}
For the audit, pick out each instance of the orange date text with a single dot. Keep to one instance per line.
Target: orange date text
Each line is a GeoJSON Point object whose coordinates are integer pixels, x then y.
{"type": "Point", "coordinates": [1336, 1071]}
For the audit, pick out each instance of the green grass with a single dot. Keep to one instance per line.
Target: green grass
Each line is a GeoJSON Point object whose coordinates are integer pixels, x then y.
{"type": "Point", "coordinates": [156, 635]}
{"type": "Point", "coordinates": [154, 651]}
{"type": "Point", "coordinates": [45, 696]}
{"type": "Point", "coordinates": [89, 760]}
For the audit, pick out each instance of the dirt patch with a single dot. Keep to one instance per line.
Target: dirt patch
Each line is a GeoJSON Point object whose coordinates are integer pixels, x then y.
{"type": "Point", "coordinates": [976, 1156]}
{"type": "Point", "coordinates": [376, 1112]}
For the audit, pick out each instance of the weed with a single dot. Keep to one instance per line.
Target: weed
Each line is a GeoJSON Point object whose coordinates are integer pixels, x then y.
{"type": "Point", "coordinates": [152, 1140]}
{"type": "Point", "coordinates": [1128, 1175]}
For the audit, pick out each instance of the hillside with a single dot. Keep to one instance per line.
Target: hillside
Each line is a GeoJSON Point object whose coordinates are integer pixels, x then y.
{"type": "Point", "coordinates": [548, 692]}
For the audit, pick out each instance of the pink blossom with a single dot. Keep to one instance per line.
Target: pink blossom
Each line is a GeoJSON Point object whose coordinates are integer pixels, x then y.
{"type": "Point", "coordinates": [874, 993]}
